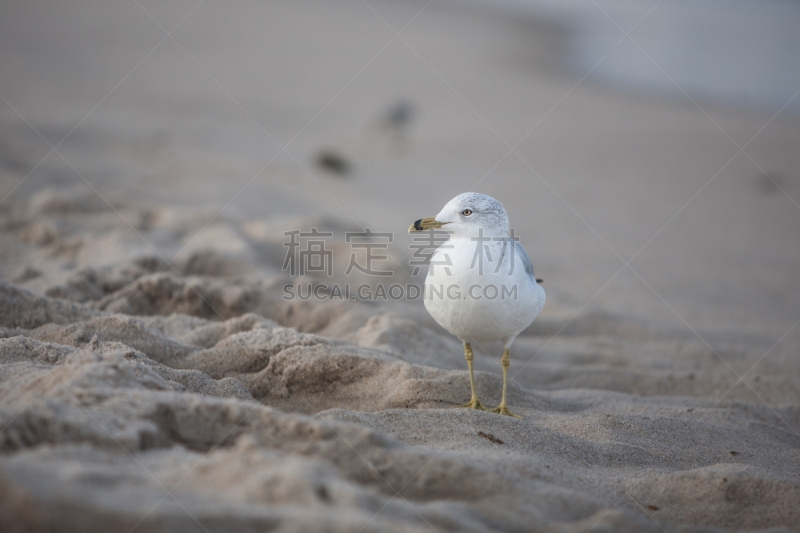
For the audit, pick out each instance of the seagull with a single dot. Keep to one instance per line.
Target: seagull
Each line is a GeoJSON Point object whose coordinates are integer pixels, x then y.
{"type": "Point", "coordinates": [480, 285]}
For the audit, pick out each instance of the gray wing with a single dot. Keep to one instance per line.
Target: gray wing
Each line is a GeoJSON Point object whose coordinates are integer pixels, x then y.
{"type": "Point", "coordinates": [519, 250]}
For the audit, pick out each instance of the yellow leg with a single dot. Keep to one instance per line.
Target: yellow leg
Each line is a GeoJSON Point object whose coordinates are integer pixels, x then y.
{"type": "Point", "coordinates": [475, 402]}
{"type": "Point", "coordinates": [502, 409]}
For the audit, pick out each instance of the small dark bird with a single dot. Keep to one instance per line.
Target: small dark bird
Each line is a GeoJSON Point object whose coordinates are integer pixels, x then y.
{"type": "Point", "coordinates": [333, 162]}
{"type": "Point", "coordinates": [399, 115]}
{"type": "Point", "coordinates": [392, 126]}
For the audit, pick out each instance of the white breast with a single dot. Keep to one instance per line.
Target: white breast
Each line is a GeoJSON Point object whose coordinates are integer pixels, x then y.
{"type": "Point", "coordinates": [477, 302]}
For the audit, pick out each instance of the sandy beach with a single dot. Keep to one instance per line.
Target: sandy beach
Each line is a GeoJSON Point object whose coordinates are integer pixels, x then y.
{"type": "Point", "coordinates": [155, 377]}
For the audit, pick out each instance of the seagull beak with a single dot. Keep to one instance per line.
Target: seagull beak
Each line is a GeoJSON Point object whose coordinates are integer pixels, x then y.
{"type": "Point", "coordinates": [425, 224]}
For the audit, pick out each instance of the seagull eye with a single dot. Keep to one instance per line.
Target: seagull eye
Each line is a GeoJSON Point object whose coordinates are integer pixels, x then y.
{"type": "Point", "coordinates": [466, 212]}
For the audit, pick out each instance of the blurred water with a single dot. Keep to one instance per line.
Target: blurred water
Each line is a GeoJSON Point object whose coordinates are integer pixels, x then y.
{"type": "Point", "coordinates": [744, 52]}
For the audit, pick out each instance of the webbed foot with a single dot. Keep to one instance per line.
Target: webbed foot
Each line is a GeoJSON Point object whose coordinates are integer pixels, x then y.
{"type": "Point", "coordinates": [503, 410]}
{"type": "Point", "coordinates": [474, 403]}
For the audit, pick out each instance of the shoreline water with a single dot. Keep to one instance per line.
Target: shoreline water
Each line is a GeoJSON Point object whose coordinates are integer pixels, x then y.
{"type": "Point", "coordinates": [738, 53]}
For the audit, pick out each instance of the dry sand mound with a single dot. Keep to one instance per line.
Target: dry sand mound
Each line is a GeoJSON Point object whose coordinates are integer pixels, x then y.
{"type": "Point", "coordinates": [144, 396]}
{"type": "Point", "coordinates": [148, 430]}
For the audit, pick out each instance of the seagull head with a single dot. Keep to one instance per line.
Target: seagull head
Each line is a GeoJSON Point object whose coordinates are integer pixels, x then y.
{"type": "Point", "coordinates": [466, 215]}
